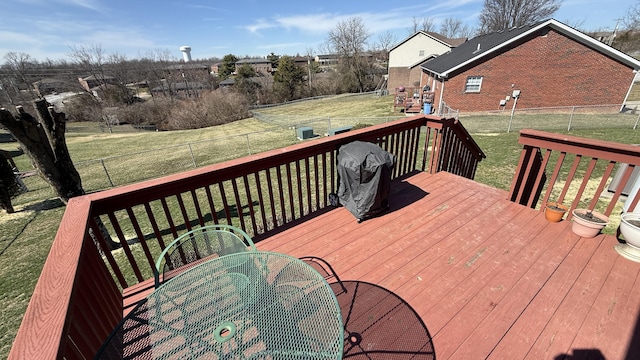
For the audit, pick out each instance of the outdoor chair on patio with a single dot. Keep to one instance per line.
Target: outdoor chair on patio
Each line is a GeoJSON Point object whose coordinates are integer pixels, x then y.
{"type": "Point", "coordinates": [197, 245]}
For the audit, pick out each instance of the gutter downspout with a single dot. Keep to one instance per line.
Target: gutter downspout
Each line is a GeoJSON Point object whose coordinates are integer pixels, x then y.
{"type": "Point", "coordinates": [440, 110]}
{"type": "Point", "coordinates": [635, 74]}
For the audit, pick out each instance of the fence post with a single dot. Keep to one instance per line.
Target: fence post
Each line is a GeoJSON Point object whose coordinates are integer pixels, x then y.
{"type": "Point", "coordinates": [106, 172]}
{"type": "Point", "coordinates": [573, 109]}
{"type": "Point", "coordinates": [635, 126]}
{"type": "Point", "coordinates": [193, 158]}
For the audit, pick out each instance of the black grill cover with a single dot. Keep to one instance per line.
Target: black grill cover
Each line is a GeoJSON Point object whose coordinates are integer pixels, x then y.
{"type": "Point", "coordinates": [364, 172]}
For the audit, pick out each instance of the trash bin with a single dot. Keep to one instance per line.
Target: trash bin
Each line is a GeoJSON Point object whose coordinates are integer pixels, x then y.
{"type": "Point", "coordinates": [427, 108]}
{"type": "Point", "coordinates": [364, 173]}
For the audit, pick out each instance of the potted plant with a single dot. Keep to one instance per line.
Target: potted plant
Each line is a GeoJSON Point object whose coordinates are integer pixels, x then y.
{"type": "Point", "coordinates": [630, 230]}
{"type": "Point", "coordinates": [554, 212]}
{"type": "Point", "coordinates": [588, 223]}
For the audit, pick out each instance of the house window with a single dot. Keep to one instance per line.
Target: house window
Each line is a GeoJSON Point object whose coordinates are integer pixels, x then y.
{"type": "Point", "coordinates": [421, 53]}
{"type": "Point", "coordinates": [473, 84]}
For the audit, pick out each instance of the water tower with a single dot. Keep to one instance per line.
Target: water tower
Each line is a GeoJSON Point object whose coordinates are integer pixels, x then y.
{"type": "Point", "coordinates": [186, 53]}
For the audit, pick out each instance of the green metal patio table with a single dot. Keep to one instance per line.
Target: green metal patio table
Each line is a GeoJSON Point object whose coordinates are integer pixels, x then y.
{"type": "Point", "coordinates": [249, 305]}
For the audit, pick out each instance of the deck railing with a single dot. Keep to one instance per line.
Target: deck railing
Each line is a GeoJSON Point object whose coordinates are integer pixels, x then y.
{"type": "Point", "coordinates": [78, 299]}
{"type": "Point", "coordinates": [575, 171]}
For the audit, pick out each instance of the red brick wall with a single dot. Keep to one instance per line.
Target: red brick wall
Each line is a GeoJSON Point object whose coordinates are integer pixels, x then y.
{"type": "Point", "coordinates": [550, 70]}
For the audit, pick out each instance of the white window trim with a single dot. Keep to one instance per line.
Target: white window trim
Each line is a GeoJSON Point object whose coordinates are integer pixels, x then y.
{"type": "Point", "coordinates": [473, 81]}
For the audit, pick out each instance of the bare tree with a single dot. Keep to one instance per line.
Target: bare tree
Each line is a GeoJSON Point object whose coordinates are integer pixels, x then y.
{"type": "Point", "coordinates": [92, 59]}
{"type": "Point", "coordinates": [17, 78]}
{"type": "Point", "coordinates": [43, 139]}
{"type": "Point", "coordinates": [454, 28]}
{"type": "Point", "coordinates": [349, 40]}
{"type": "Point", "coordinates": [499, 15]}
{"type": "Point", "coordinates": [385, 42]}
{"type": "Point", "coordinates": [631, 19]}
{"type": "Point", "coordinates": [425, 24]}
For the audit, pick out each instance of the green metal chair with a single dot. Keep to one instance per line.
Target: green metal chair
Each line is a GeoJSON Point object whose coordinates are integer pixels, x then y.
{"type": "Point", "coordinates": [198, 245]}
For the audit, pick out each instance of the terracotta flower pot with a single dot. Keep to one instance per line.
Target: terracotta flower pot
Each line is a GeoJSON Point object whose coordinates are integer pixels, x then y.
{"type": "Point", "coordinates": [554, 212]}
{"type": "Point", "coordinates": [587, 223]}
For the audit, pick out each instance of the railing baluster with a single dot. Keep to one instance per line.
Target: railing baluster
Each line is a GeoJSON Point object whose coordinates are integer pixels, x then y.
{"type": "Point", "coordinates": [125, 246]}
{"type": "Point", "coordinates": [196, 204]}
{"type": "Point", "coordinates": [236, 196]}
{"type": "Point", "coordinates": [183, 211]}
{"type": "Point", "coordinates": [141, 239]}
{"type": "Point", "coordinates": [570, 175]}
{"type": "Point", "coordinates": [316, 181]}
{"type": "Point", "coordinates": [307, 176]}
{"type": "Point", "coordinates": [154, 225]}
{"type": "Point", "coordinates": [225, 203]}
{"type": "Point", "coordinates": [97, 234]}
{"type": "Point", "coordinates": [325, 193]}
{"type": "Point", "coordinates": [603, 183]}
{"type": "Point", "coordinates": [212, 208]}
{"type": "Point", "coordinates": [167, 214]}
{"type": "Point", "coordinates": [252, 212]}
{"type": "Point", "coordinates": [261, 202]}
{"type": "Point", "coordinates": [281, 196]}
{"type": "Point", "coordinates": [299, 186]}
{"type": "Point", "coordinates": [583, 185]}
{"type": "Point", "coordinates": [618, 192]}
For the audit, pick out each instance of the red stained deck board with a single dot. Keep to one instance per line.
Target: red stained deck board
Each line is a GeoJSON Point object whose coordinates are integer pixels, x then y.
{"type": "Point", "coordinates": [560, 332]}
{"type": "Point", "coordinates": [492, 302]}
{"type": "Point", "coordinates": [610, 312]}
{"type": "Point", "coordinates": [521, 336]}
{"type": "Point", "coordinates": [490, 278]}
{"type": "Point", "coordinates": [506, 312]}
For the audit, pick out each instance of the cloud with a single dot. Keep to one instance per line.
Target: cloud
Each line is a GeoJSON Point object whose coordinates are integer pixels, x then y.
{"type": "Point", "coordinates": [281, 45]}
{"type": "Point", "coordinates": [259, 25]}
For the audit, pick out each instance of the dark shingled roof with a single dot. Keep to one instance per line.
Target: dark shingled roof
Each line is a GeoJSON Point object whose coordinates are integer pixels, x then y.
{"type": "Point", "coordinates": [482, 46]}
{"type": "Point", "coordinates": [472, 48]}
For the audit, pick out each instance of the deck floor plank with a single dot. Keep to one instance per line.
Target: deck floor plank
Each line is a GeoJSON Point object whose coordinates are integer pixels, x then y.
{"type": "Point", "coordinates": [517, 342]}
{"type": "Point", "coordinates": [490, 278]}
{"type": "Point", "coordinates": [562, 328]}
{"type": "Point", "coordinates": [498, 294]}
{"type": "Point", "coordinates": [608, 315]}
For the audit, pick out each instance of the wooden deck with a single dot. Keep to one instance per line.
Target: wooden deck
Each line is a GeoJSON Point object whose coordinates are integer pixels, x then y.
{"type": "Point", "coordinates": [490, 278]}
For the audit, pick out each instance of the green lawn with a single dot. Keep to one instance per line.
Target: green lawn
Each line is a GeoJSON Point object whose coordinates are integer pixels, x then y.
{"type": "Point", "coordinates": [26, 236]}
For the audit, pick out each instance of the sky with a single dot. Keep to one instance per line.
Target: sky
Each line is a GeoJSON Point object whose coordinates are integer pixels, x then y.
{"type": "Point", "coordinates": [49, 29]}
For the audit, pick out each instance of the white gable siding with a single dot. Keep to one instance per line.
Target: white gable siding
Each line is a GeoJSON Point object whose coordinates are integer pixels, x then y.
{"type": "Point", "coordinates": [408, 53]}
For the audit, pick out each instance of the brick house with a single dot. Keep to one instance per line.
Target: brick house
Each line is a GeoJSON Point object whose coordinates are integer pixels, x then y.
{"type": "Point", "coordinates": [406, 56]}
{"type": "Point", "coordinates": [549, 63]}
{"type": "Point", "coordinates": [261, 66]}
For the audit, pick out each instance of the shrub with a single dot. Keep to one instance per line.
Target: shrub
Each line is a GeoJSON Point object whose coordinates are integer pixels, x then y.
{"type": "Point", "coordinates": [215, 108]}
{"type": "Point", "coordinates": [150, 112]}
{"type": "Point", "coordinates": [83, 107]}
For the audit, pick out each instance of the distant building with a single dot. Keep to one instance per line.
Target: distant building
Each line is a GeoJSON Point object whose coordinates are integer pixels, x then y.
{"type": "Point", "coordinates": [261, 66]}
{"type": "Point", "coordinates": [405, 57]}
{"type": "Point", "coordinates": [90, 82]}
{"type": "Point", "coordinates": [547, 64]}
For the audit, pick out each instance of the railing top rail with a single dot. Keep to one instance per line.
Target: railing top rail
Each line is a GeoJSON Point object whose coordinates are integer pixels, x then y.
{"type": "Point", "coordinates": [464, 134]}
{"type": "Point", "coordinates": [48, 317]}
{"type": "Point", "coordinates": [594, 148]}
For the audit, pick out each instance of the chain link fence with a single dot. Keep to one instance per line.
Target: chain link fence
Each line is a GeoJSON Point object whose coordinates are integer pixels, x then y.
{"type": "Point", "coordinates": [565, 118]}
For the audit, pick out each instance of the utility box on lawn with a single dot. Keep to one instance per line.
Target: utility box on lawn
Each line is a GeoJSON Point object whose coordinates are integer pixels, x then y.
{"type": "Point", "coordinates": [305, 132]}
{"type": "Point", "coordinates": [339, 130]}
